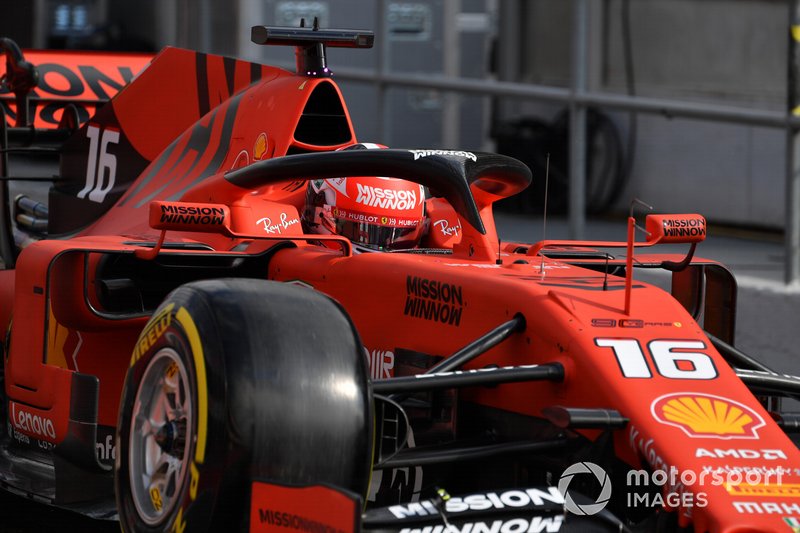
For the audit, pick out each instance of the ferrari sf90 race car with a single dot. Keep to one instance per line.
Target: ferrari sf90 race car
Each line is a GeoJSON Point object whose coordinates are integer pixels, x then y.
{"type": "Point", "coordinates": [181, 354]}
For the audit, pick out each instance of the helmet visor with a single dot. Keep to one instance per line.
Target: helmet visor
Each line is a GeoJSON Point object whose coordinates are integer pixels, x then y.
{"type": "Point", "coordinates": [378, 237]}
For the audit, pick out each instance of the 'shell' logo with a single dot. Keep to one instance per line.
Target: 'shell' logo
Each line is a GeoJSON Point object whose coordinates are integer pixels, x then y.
{"type": "Point", "coordinates": [707, 416]}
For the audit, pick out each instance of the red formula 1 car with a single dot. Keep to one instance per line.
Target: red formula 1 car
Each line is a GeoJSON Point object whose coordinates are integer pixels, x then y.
{"type": "Point", "coordinates": [181, 355]}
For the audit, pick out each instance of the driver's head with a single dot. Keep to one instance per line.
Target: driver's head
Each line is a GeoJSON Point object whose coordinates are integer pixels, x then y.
{"type": "Point", "coordinates": [374, 212]}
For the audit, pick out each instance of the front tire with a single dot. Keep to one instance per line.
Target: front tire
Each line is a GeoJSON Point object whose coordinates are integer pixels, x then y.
{"type": "Point", "coordinates": [236, 380]}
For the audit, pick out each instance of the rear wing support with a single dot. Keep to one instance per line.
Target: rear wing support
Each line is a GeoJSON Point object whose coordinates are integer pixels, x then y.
{"type": "Point", "coordinates": [7, 255]}
{"type": "Point", "coordinates": [20, 78]}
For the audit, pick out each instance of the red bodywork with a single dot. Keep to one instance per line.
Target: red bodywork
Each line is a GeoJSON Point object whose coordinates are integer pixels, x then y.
{"type": "Point", "coordinates": [190, 117]}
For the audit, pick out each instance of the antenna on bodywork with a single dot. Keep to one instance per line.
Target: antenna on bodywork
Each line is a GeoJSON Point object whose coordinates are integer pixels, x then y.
{"type": "Point", "coordinates": [544, 218]}
{"type": "Point", "coordinates": [629, 253]}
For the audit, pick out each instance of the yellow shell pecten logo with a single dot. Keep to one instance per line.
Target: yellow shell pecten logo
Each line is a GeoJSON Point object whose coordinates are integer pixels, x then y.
{"type": "Point", "coordinates": [707, 416]}
{"type": "Point", "coordinates": [260, 147]}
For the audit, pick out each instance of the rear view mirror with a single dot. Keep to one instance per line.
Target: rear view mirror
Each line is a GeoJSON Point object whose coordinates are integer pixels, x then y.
{"type": "Point", "coordinates": [190, 216]}
{"type": "Point", "coordinates": [675, 229]}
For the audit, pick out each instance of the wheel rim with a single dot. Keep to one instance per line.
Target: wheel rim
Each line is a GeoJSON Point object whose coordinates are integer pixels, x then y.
{"type": "Point", "coordinates": [158, 443]}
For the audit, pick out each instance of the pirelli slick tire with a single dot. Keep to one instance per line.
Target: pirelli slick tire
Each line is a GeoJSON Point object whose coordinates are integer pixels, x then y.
{"type": "Point", "coordinates": [234, 380]}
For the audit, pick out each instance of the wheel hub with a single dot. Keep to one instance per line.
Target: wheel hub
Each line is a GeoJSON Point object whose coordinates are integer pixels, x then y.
{"type": "Point", "coordinates": [171, 437]}
{"type": "Point", "coordinates": [161, 422]}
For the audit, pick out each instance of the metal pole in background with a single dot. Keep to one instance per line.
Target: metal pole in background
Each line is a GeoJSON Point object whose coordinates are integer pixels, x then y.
{"type": "Point", "coordinates": [792, 235]}
{"type": "Point", "coordinates": [451, 118]}
{"type": "Point", "coordinates": [382, 43]}
{"type": "Point", "coordinates": [508, 58]}
{"type": "Point", "coordinates": [577, 121]}
{"type": "Point", "coordinates": [204, 25]}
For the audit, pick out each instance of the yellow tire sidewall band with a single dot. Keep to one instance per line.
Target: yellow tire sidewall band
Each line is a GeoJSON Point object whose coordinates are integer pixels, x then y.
{"type": "Point", "coordinates": [187, 323]}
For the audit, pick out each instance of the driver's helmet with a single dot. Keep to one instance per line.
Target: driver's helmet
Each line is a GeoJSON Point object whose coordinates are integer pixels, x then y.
{"type": "Point", "coordinates": [374, 212]}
